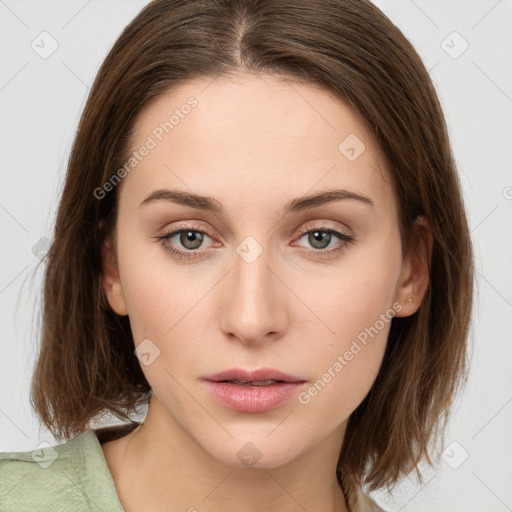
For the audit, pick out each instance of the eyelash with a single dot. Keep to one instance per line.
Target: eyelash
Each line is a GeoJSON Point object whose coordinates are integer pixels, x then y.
{"type": "Point", "coordinates": [345, 240]}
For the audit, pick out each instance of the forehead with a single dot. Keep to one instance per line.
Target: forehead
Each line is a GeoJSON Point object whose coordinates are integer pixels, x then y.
{"type": "Point", "coordinates": [262, 134]}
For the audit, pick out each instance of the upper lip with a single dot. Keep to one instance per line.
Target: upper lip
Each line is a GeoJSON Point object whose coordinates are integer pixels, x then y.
{"type": "Point", "coordinates": [250, 375]}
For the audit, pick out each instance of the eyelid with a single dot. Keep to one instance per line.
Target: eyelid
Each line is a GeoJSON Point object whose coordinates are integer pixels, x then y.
{"type": "Point", "coordinates": [323, 225]}
{"type": "Point", "coordinates": [189, 225]}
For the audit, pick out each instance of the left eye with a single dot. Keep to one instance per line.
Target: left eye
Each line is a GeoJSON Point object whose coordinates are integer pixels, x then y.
{"type": "Point", "coordinates": [190, 239]}
{"type": "Point", "coordinates": [321, 238]}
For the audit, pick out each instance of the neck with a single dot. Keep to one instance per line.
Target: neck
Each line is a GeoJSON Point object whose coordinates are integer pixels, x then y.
{"type": "Point", "coordinates": [160, 466]}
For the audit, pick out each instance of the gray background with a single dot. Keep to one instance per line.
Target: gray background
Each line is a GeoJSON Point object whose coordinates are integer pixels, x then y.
{"type": "Point", "coordinates": [41, 97]}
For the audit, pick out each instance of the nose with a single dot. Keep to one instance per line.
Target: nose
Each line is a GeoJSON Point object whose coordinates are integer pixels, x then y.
{"type": "Point", "coordinates": [254, 306]}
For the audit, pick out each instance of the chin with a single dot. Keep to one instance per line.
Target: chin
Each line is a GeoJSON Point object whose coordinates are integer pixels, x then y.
{"type": "Point", "coordinates": [254, 450]}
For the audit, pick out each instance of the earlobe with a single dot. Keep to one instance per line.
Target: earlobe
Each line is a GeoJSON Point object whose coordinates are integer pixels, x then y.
{"type": "Point", "coordinates": [110, 279]}
{"type": "Point", "coordinates": [414, 280]}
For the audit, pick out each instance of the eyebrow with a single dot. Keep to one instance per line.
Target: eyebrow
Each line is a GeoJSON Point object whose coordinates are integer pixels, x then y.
{"type": "Point", "coordinates": [213, 205]}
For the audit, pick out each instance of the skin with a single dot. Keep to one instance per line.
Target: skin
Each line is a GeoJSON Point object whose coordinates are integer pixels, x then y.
{"type": "Point", "coordinates": [253, 143]}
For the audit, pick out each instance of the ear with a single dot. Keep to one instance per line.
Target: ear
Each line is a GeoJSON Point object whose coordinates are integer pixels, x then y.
{"type": "Point", "coordinates": [414, 279]}
{"type": "Point", "coordinates": [110, 279]}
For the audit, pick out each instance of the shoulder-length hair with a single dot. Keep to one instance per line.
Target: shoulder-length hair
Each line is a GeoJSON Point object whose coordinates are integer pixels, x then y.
{"type": "Point", "coordinates": [86, 364]}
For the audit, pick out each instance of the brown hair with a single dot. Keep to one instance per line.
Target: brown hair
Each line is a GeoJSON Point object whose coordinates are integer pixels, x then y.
{"type": "Point", "coordinates": [86, 363]}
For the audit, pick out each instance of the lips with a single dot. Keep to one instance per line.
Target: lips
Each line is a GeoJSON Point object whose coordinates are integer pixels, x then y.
{"type": "Point", "coordinates": [261, 377]}
{"type": "Point", "coordinates": [252, 391]}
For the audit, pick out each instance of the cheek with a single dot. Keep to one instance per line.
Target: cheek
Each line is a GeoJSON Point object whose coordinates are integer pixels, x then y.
{"type": "Point", "coordinates": [346, 363]}
{"type": "Point", "coordinates": [158, 292]}
{"type": "Point", "coordinates": [356, 309]}
{"type": "Point", "coordinates": [354, 298]}
{"type": "Point", "coordinates": [163, 311]}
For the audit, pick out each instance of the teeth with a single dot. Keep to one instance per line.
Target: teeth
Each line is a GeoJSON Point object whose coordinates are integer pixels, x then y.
{"type": "Point", "coordinates": [255, 382]}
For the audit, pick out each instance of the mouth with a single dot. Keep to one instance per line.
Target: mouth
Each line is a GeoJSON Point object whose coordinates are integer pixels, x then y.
{"type": "Point", "coordinates": [253, 391]}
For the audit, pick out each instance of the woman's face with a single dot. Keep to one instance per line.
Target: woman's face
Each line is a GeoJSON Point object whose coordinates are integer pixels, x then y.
{"type": "Point", "coordinates": [262, 275]}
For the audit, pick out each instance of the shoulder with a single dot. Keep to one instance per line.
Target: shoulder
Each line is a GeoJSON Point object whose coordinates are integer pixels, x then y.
{"type": "Point", "coordinates": [43, 477]}
{"type": "Point", "coordinates": [69, 476]}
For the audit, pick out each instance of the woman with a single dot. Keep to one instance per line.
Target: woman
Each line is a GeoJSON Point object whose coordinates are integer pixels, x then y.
{"type": "Point", "coordinates": [262, 236]}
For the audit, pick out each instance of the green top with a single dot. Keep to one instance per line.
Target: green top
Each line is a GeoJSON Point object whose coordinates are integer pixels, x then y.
{"type": "Point", "coordinates": [72, 476]}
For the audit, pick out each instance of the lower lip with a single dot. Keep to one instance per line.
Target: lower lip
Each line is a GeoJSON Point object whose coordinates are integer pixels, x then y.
{"type": "Point", "coordinates": [253, 398]}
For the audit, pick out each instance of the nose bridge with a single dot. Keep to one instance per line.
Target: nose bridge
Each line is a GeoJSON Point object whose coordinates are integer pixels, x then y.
{"type": "Point", "coordinates": [254, 307]}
